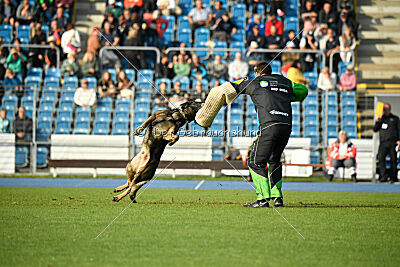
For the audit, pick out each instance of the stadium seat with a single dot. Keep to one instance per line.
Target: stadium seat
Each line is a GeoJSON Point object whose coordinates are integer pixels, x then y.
{"type": "Point", "coordinates": [239, 11]}
{"type": "Point", "coordinates": [239, 36]}
{"type": "Point", "coordinates": [35, 72]}
{"type": "Point", "coordinates": [51, 82]}
{"type": "Point", "coordinates": [201, 54]}
{"type": "Point", "coordinates": [71, 81]}
{"type": "Point", "coordinates": [183, 22]}
{"type": "Point", "coordinates": [238, 45]}
{"type": "Point", "coordinates": [53, 72]}
{"type": "Point", "coordinates": [167, 38]}
{"type": "Point", "coordinates": [103, 112]}
{"type": "Point", "coordinates": [43, 134]}
{"type": "Point", "coordinates": [165, 80]}
{"type": "Point", "coordinates": [27, 101]}
{"type": "Point", "coordinates": [62, 130]}
{"type": "Point", "coordinates": [123, 102]}
{"type": "Point", "coordinates": [276, 66]}
{"type": "Point", "coordinates": [184, 36]}
{"type": "Point", "coordinates": [131, 74]}
{"type": "Point", "coordinates": [291, 23]}
{"type": "Point", "coordinates": [217, 154]}
{"type": "Point", "coordinates": [105, 102]}
{"type": "Point", "coordinates": [64, 121]}
{"type": "Point", "coordinates": [292, 9]}
{"type": "Point", "coordinates": [23, 32]}
{"type": "Point", "coordinates": [50, 92]}
{"type": "Point", "coordinates": [6, 31]}
{"type": "Point", "coordinates": [44, 122]}
{"type": "Point", "coordinates": [33, 81]}
{"type": "Point", "coordinates": [223, 45]}
{"type": "Point", "coordinates": [313, 78]}
{"type": "Point", "coordinates": [42, 154]}
{"type": "Point", "coordinates": [21, 156]}
{"type": "Point", "coordinates": [145, 75]}
{"type": "Point", "coordinates": [83, 112]}
{"type": "Point", "coordinates": [92, 82]}
{"type": "Point", "coordinates": [202, 34]}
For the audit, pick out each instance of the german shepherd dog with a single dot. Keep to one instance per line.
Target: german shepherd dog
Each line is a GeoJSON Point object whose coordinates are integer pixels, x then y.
{"type": "Point", "coordinates": [162, 127]}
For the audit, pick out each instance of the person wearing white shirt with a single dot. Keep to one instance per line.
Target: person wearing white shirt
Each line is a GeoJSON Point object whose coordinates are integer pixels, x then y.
{"type": "Point", "coordinates": [238, 68]}
{"type": "Point", "coordinates": [84, 96]}
{"type": "Point", "coordinates": [326, 81]}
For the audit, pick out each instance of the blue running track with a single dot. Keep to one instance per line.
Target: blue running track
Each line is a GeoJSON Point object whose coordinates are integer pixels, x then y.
{"type": "Point", "coordinates": [199, 184]}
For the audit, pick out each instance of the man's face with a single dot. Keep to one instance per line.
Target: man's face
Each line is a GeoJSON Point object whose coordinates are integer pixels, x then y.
{"type": "Point", "coordinates": [308, 5]}
{"type": "Point", "coordinates": [342, 138]}
{"type": "Point", "coordinates": [330, 33]}
{"type": "Point", "coordinates": [199, 4]}
{"type": "Point", "coordinates": [273, 30]}
{"type": "Point", "coordinates": [21, 113]}
{"type": "Point", "coordinates": [327, 7]}
{"type": "Point", "coordinates": [85, 84]}
{"type": "Point", "coordinates": [60, 12]}
{"type": "Point", "coordinates": [291, 35]}
{"type": "Point", "coordinates": [217, 5]}
{"type": "Point", "coordinates": [386, 109]}
{"type": "Point", "coordinates": [54, 24]}
{"type": "Point", "coordinates": [15, 56]}
{"type": "Point", "coordinates": [107, 27]}
{"type": "Point", "coordinates": [3, 114]}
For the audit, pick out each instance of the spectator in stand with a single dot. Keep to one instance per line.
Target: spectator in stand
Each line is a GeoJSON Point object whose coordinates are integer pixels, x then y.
{"type": "Point", "coordinates": [44, 13]}
{"type": "Point", "coordinates": [177, 97]}
{"type": "Point", "coordinates": [93, 42]}
{"type": "Point", "coordinates": [55, 32]}
{"type": "Point", "coordinates": [217, 11]}
{"type": "Point", "coordinates": [186, 56]}
{"type": "Point", "coordinates": [256, 21]}
{"type": "Point", "coordinates": [163, 69]}
{"type": "Point", "coordinates": [24, 13]}
{"type": "Point", "coordinates": [137, 58]}
{"type": "Point", "coordinates": [156, 25]}
{"type": "Point", "coordinates": [332, 44]}
{"type": "Point", "coordinates": [70, 66]}
{"type": "Point", "coordinates": [346, 21]}
{"type": "Point", "coordinates": [23, 126]}
{"type": "Point", "coordinates": [347, 6]}
{"type": "Point", "coordinates": [257, 37]}
{"type": "Point", "coordinates": [51, 54]}
{"type": "Point", "coordinates": [326, 81]}
{"type": "Point", "coordinates": [66, 4]}
{"type": "Point", "coordinates": [109, 59]}
{"type": "Point", "coordinates": [15, 61]}
{"type": "Point", "coordinates": [238, 68]}
{"type": "Point", "coordinates": [197, 69]}
{"type": "Point", "coordinates": [307, 59]}
{"type": "Point", "coordinates": [199, 16]}
{"type": "Point", "coordinates": [182, 68]}
{"type": "Point", "coordinates": [273, 21]}
{"type": "Point", "coordinates": [85, 96]}
{"type": "Point", "coordinates": [90, 66]}
{"type": "Point", "coordinates": [107, 35]}
{"type": "Point", "coordinates": [199, 94]}
{"type": "Point", "coordinates": [169, 7]}
{"type": "Point", "coordinates": [342, 153]}
{"type": "Point", "coordinates": [114, 23]}
{"type": "Point", "coordinates": [62, 21]}
{"type": "Point", "coordinates": [124, 85]}
{"type": "Point", "coordinates": [254, 58]}
{"type": "Point", "coordinates": [224, 28]}
{"type": "Point", "coordinates": [134, 5]}
{"type": "Point", "coordinates": [310, 23]}
{"type": "Point", "coordinates": [348, 80]}
{"type": "Point", "coordinates": [114, 9]}
{"type": "Point", "coordinates": [217, 69]}
{"type": "Point", "coordinates": [277, 7]}
{"type": "Point", "coordinates": [3, 63]}
{"type": "Point", "coordinates": [289, 58]}
{"type": "Point", "coordinates": [8, 12]}
{"type": "Point", "coordinates": [274, 40]}
{"type": "Point", "coordinates": [124, 25]}
{"type": "Point", "coordinates": [11, 84]}
{"type": "Point", "coordinates": [307, 8]}
{"type": "Point", "coordinates": [4, 122]}
{"type": "Point", "coordinates": [321, 36]}
{"type": "Point", "coordinates": [292, 40]}
{"type": "Point", "coordinates": [327, 15]}
{"type": "Point", "coordinates": [38, 38]}
{"type": "Point", "coordinates": [295, 74]}
{"type": "Point", "coordinates": [216, 83]}
{"type": "Point", "coordinates": [347, 44]}
{"type": "Point", "coordinates": [106, 86]}
{"type": "Point", "coordinates": [161, 96]}
{"type": "Point", "coordinates": [253, 4]}
{"type": "Point", "coordinates": [71, 40]}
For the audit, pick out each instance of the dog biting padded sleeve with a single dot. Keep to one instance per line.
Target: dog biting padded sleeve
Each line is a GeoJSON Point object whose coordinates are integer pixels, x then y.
{"type": "Point", "coordinates": [218, 96]}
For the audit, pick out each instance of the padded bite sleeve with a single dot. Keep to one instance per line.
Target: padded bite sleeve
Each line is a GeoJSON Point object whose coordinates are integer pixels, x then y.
{"type": "Point", "coordinates": [218, 96]}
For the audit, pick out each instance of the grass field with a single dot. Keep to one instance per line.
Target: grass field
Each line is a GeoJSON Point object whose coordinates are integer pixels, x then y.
{"type": "Point", "coordinates": [57, 227]}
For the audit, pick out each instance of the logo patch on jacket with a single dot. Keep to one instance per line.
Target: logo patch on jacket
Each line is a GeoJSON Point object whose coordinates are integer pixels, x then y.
{"type": "Point", "coordinates": [263, 83]}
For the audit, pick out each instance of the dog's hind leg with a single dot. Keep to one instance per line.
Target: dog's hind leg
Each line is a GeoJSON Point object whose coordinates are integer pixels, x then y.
{"type": "Point", "coordinates": [135, 188]}
{"type": "Point", "coordinates": [122, 187]}
{"type": "Point", "coordinates": [131, 170]}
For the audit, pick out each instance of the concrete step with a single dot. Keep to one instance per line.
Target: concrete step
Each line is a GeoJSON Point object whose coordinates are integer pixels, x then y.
{"type": "Point", "coordinates": [379, 21]}
{"type": "Point", "coordinates": [393, 66]}
{"type": "Point", "coordinates": [378, 2]}
{"type": "Point", "coordinates": [390, 76]}
{"type": "Point", "coordinates": [379, 47]}
{"type": "Point", "coordinates": [90, 17]}
{"type": "Point", "coordinates": [375, 9]}
{"type": "Point", "coordinates": [377, 60]}
{"type": "Point", "coordinates": [378, 35]}
{"type": "Point", "coordinates": [91, 5]}
{"type": "Point", "coordinates": [380, 28]}
{"type": "Point", "coordinates": [387, 41]}
{"type": "Point", "coordinates": [376, 53]}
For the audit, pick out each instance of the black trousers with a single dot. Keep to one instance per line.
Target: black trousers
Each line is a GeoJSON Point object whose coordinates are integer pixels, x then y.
{"type": "Point", "coordinates": [385, 149]}
{"type": "Point", "coordinates": [268, 149]}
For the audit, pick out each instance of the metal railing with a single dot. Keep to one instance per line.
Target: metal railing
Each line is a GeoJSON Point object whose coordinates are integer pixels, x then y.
{"type": "Point", "coordinates": [201, 49]}
{"type": "Point", "coordinates": [39, 46]}
{"type": "Point", "coordinates": [338, 52]}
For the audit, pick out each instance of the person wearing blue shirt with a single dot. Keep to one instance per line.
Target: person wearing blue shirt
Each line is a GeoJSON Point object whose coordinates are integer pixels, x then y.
{"type": "Point", "coordinates": [4, 122]}
{"type": "Point", "coordinates": [11, 83]}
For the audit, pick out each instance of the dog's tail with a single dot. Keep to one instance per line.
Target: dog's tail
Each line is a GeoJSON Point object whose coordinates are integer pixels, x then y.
{"type": "Point", "coordinates": [144, 125]}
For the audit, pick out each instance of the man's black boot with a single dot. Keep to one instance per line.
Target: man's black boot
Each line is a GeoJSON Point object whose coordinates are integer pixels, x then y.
{"type": "Point", "coordinates": [278, 201]}
{"type": "Point", "coordinates": [354, 178]}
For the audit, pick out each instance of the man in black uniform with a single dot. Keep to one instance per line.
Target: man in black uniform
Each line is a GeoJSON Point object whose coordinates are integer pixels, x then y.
{"type": "Point", "coordinates": [272, 96]}
{"type": "Point", "coordinates": [389, 137]}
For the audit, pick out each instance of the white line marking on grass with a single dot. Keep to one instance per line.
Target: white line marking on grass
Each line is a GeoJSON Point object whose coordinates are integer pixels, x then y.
{"type": "Point", "coordinates": [144, 189]}
{"type": "Point", "coordinates": [271, 205]}
{"type": "Point", "coordinates": [199, 184]}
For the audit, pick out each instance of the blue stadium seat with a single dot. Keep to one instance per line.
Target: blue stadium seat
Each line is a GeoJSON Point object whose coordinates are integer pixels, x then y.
{"type": "Point", "coordinates": [23, 32]}
{"type": "Point", "coordinates": [33, 81]}
{"type": "Point", "coordinates": [51, 82]}
{"type": "Point", "coordinates": [62, 130]}
{"type": "Point", "coordinates": [82, 122]}
{"type": "Point", "coordinates": [202, 34]}
{"type": "Point", "coordinates": [50, 92]}
{"type": "Point", "coordinates": [167, 38]}
{"type": "Point", "coordinates": [42, 154]}
{"type": "Point", "coordinates": [105, 102]}
{"type": "Point", "coordinates": [314, 157]}
{"type": "Point", "coordinates": [123, 102]}
{"type": "Point", "coordinates": [184, 36]}
{"type": "Point", "coordinates": [131, 74]}
{"type": "Point", "coordinates": [44, 122]}
{"type": "Point", "coordinates": [292, 9]}
{"type": "Point", "coordinates": [221, 44]}
{"type": "Point", "coordinates": [239, 36]}
{"type": "Point", "coordinates": [53, 72]}
{"type": "Point", "coordinates": [71, 81]}
{"type": "Point", "coordinates": [183, 22]}
{"type": "Point", "coordinates": [185, 82]}
{"type": "Point", "coordinates": [313, 78]}
{"type": "Point", "coordinates": [238, 45]}
{"type": "Point", "coordinates": [217, 154]}
{"type": "Point", "coordinates": [201, 54]}
{"type": "Point", "coordinates": [6, 31]}
{"type": "Point", "coordinates": [291, 23]}
{"type": "Point", "coordinates": [48, 101]}
{"type": "Point", "coordinates": [145, 75]}
{"type": "Point", "coordinates": [35, 72]}
{"type": "Point", "coordinates": [121, 112]}
{"type": "Point", "coordinates": [239, 11]}
{"type": "Point", "coordinates": [100, 131]}
{"type": "Point", "coordinates": [240, 22]}
{"type": "Point", "coordinates": [119, 131]}
{"type": "Point", "coordinates": [27, 101]}
{"type": "Point", "coordinates": [92, 82]}
{"type": "Point", "coordinates": [166, 80]}
{"type": "Point", "coordinates": [103, 112]}
{"type": "Point", "coordinates": [43, 134]}
{"type": "Point", "coordinates": [46, 110]}
{"type": "Point", "coordinates": [171, 22]}
{"type": "Point", "coordinates": [64, 122]}
{"type": "Point", "coordinates": [83, 112]}
{"type": "Point", "coordinates": [276, 66]}
{"type": "Point", "coordinates": [10, 100]}
{"type": "Point", "coordinates": [21, 156]}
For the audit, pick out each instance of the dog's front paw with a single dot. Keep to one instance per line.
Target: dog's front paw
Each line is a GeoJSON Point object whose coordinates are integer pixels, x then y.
{"type": "Point", "coordinates": [115, 199]}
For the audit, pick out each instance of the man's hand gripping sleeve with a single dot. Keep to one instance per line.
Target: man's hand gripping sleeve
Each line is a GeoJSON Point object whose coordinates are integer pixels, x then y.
{"type": "Point", "coordinates": [218, 96]}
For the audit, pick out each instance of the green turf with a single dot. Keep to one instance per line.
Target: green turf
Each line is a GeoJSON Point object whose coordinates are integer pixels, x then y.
{"type": "Point", "coordinates": [57, 227]}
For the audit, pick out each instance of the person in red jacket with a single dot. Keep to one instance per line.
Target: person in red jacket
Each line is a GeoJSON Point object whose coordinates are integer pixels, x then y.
{"type": "Point", "coordinates": [342, 153]}
{"type": "Point", "coordinates": [273, 21]}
